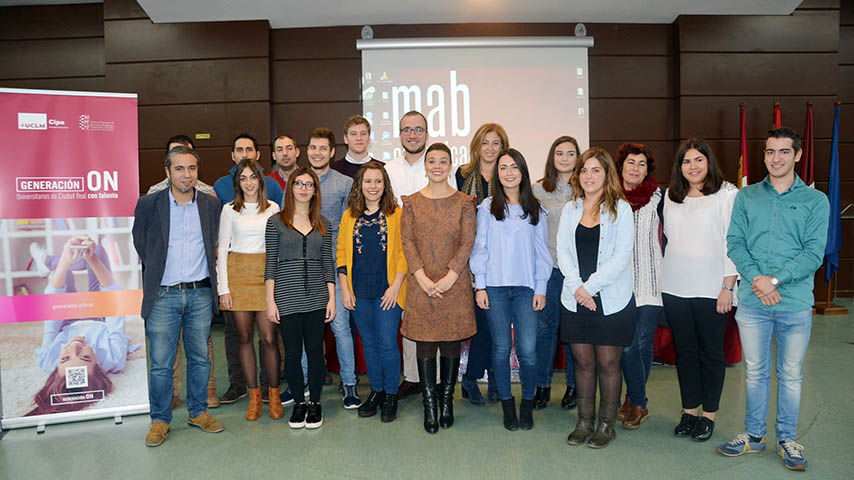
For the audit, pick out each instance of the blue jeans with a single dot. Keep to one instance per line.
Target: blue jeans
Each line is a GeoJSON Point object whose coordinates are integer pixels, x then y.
{"type": "Point", "coordinates": [173, 309]}
{"type": "Point", "coordinates": [637, 357]}
{"type": "Point", "coordinates": [378, 329]}
{"type": "Point", "coordinates": [547, 327]}
{"type": "Point", "coordinates": [513, 306]}
{"type": "Point", "coordinates": [756, 328]}
{"type": "Point", "coordinates": [480, 350]}
{"type": "Point", "coordinates": [343, 340]}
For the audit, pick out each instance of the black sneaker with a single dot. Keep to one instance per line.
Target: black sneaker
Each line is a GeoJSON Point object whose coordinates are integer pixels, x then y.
{"type": "Point", "coordinates": [233, 394]}
{"type": "Point", "coordinates": [314, 417]}
{"type": "Point", "coordinates": [298, 416]}
{"type": "Point", "coordinates": [370, 406]}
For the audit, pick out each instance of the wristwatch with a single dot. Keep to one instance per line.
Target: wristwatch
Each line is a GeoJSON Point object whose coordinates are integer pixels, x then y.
{"type": "Point", "coordinates": [775, 281]}
{"type": "Point", "coordinates": [725, 287]}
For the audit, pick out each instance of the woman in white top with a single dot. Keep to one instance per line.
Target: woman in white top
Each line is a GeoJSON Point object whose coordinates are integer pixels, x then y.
{"type": "Point", "coordinates": [241, 256]}
{"type": "Point", "coordinates": [697, 281]}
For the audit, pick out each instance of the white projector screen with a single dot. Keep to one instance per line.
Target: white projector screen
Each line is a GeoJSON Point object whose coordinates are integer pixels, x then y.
{"type": "Point", "coordinates": [535, 87]}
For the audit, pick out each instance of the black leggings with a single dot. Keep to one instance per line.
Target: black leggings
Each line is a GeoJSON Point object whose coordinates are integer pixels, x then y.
{"type": "Point", "coordinates": [604, 359]}
{"type": "Point", "coordinates": [698, 335]}
{"type": "Point", "coordinates": [298, 330]}
{"type": "Point", "coordinates": [446, 349]}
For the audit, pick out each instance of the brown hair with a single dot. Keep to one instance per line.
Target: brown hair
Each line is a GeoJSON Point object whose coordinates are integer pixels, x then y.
{"type": "Point", "coordinates": [529, 203]}
{"type": "Point", "coordinates": [612, 193]}
{"type": "Point", "coordinates": [356, 200]}
{"type": "Point", "coordinates": [438, 146]}
{"type": "Point", "coordinates": [287, 213]}
{"type": "Point", "coordinates": [322, 132]}
{"type": "Point", "coordinates": [474, 146]}
{"type": "Point", "coordinates": [550, 177]}
{"type": "Point", "coordinates": [252, 165]}
{"type": "Point", "coordinates": [354, 120]}
{"type": "Point", "coordinates": [679, 187]}
{"type": "Point", "coordinates": [627, 149]}
{"type": "Point", "coordinates": [55, 385]}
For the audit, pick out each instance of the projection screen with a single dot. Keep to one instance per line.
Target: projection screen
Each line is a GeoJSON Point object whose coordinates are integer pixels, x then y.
{"type": "Point", "coordinates": [535, 87]}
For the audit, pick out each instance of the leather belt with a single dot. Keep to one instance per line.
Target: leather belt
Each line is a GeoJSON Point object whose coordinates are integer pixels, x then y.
{"type": "Point", "coordinates": [205, 283]}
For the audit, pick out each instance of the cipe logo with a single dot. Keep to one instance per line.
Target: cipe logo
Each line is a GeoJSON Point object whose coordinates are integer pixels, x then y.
{"type": "Point", "coordinates": [32, 121]}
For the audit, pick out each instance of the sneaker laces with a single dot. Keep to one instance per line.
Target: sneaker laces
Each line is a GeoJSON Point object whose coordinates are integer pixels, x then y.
{"type": "Point", "coordinates": [742, 438]}
{"type": "Point", "coordinates": [793, 449]}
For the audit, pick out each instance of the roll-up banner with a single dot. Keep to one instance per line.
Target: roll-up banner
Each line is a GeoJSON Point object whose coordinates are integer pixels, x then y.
{"type": "Point", "coordinates": [72, 343]}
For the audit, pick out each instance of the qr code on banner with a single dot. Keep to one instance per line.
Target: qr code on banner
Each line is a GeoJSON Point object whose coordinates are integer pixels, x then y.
{"type": "Point", "coordinates": [76, 377]}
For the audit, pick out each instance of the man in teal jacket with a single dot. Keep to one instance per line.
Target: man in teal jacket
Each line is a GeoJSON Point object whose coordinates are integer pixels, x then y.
{"type": "Point", "coordinates": [776, 239]}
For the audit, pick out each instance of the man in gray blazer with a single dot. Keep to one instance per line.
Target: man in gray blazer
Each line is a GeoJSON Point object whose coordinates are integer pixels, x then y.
{"type": "Point", "coordinates": [175, 232]}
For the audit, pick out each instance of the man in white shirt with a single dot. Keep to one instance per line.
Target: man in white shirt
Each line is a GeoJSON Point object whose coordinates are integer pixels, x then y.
{"type": "Point", "coordinates": [357, 136]}
{"type": "Point", "coordinates": [408, 176]}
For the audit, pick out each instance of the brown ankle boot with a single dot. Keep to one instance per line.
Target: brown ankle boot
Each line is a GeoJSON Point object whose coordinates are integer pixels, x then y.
{"type": "Point", "coordinates": [276, 410]}
{"type": "Point", "coordinates": [584, 427]}
{"type": "Point", "coordinates": [253, 411]}
{"type": "Point", "coordinates": [604, 433]}
{"type": "Point", "coordinates": [623, 412]}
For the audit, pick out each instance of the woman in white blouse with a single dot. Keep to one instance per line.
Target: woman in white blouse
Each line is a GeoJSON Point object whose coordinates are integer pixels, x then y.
{"type": "Point", "coordinates": [240, 272]}
{"type": "Point", "coordinates": [697, 281]}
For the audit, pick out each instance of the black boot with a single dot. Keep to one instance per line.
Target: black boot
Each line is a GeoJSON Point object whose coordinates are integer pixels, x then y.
{"type": "Point", "coordinates": [511, 422]}
{"type": "Point", "coordinates": [368, 408]}
{"type": "Point", "coordinates": [427, 374]}
{"type": "Point", "coordinates": [569, 400]}
{"type": "Point", "coordinates": [388, 411]}
{"type": "Point", "coordinates": [526, 414]}
{"type": "Point", "coordinates": [449, 369]}
{"type": "Point", "coordinates": [542, 397]}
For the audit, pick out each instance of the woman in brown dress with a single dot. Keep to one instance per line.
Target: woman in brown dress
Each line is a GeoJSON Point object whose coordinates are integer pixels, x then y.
{"type": "Point", "coordinates": [438, 231]}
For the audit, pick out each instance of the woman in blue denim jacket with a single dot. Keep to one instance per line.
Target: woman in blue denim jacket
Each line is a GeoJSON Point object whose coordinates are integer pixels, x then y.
{"type": "Point", "coordinates": [594, 251]}
{"type": "Point", "coordinates": [511, 265]}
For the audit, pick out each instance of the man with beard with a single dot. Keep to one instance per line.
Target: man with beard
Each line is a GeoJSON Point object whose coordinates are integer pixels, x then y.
{"type": "Point", "coordinates": [408, 176]}
{"type": "Point", "coordinates": [285, 153]}
{"type": "Point", "coordinates": [175, 233]}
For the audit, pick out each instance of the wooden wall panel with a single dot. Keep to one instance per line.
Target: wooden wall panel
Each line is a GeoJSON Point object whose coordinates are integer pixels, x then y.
{"type": "Point", "coordinates": [219, 120]}
{"type": "Point", "coordinates": [758, 33]}
{"type": "Point", "coordinates": [758, 74]}
{"type": "Point", "coordinates": [298, 119]}
{"type": "Point", "coordinates": [185, 41]}
{"type": "Point", "coordinates": [46, 21]}
{"type": "Point", "coordinates": [620, 119]}
{"type": "Point", "coordinates": [204, 81]}
{"type": "Point", "coordinates": [79, 84]}
{"type": "Point", "coordinates": [621, 77]}
{"type": "Point", "coordinates": [123, 10]}
{"type": "Point", "coordinates": [316, 80]}
{"type": "Point", "coordinates": [52, 58]}
{"type": "Point", "coordinates": [314, 43]}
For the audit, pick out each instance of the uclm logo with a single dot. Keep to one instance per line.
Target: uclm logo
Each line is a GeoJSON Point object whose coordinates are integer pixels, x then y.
{"type": "Point", "coordinates": [32, 121]}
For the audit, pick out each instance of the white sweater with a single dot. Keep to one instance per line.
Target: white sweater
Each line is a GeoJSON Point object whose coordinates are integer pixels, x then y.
{"type": "Point", "coordinates": [646, 257]}
{"type": "Point", "coordinates": [241, 232]}
{"type": "Point", "coordinates": [695, 260]}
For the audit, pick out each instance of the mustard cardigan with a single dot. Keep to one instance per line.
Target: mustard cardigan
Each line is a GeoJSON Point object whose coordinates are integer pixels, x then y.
{"type": "Point", "coordinates": [395, 261]}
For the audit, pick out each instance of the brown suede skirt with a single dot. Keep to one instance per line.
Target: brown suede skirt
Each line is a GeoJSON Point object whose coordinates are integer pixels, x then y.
{"type": "Point", "coordinates": [246, 281]}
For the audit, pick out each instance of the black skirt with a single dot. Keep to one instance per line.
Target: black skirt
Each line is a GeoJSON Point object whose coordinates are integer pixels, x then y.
{"type": "Point", "coordinates": [586, 326]}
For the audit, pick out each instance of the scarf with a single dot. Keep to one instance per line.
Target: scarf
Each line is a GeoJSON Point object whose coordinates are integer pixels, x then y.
{"type": "Point", "coordinates": [640, 195]}
{"type": "Point", "coordinates": [474, 187]}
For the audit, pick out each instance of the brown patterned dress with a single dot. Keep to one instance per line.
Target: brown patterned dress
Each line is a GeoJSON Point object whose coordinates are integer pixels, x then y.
{"type": "Point", "coordinates": [438, 235]}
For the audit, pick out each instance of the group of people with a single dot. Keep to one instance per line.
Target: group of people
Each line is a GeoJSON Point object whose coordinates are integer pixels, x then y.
{"type": "Point", "coordinates": [592, 254]}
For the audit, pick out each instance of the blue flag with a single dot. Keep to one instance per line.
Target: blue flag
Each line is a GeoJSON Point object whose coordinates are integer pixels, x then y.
{"type": "Point", "coordinates": [834, 227]}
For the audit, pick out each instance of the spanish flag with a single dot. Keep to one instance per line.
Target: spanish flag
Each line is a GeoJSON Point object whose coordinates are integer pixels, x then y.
{"type": "Point", "coordinates": [742, 157]}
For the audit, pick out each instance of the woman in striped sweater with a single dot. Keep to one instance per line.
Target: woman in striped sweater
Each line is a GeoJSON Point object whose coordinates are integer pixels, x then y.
{"type": "Point", "coordinates": [300, 280]}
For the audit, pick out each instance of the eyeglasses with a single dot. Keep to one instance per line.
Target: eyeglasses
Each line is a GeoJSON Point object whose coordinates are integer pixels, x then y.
{"type": "Point", "coordinates": [408, 130]}
{"type": "Point", "coordinates": [301, 184]}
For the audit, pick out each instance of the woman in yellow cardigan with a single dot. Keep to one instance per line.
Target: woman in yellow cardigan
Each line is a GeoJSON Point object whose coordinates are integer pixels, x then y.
{"type": "Point", "coordinates": [372, 273]}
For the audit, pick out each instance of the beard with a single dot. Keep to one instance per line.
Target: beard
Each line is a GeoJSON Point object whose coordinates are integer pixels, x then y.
{"type": "Point", "coordinates": [320, 167]}
{"type": "Point", "coordinates": [414, 150]}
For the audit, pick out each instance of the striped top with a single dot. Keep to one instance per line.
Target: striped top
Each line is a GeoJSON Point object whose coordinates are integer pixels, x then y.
{"type": "Point", "coordinates": [300, 266]}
